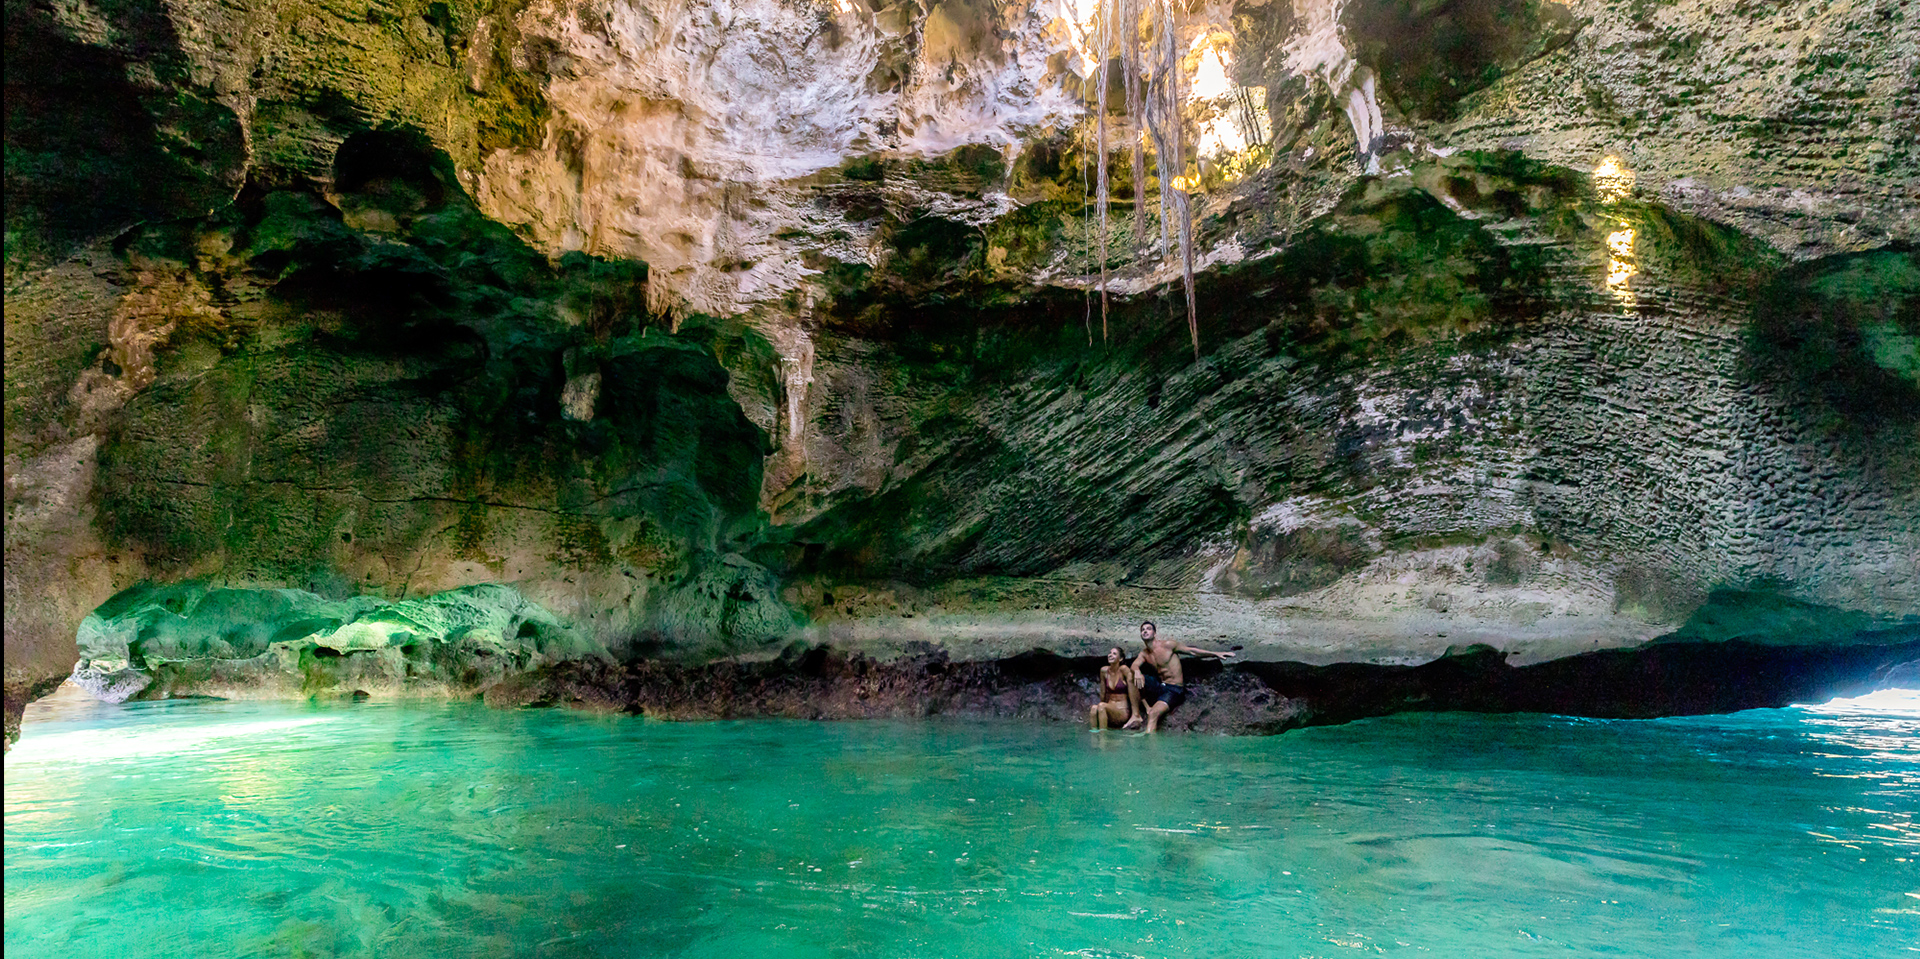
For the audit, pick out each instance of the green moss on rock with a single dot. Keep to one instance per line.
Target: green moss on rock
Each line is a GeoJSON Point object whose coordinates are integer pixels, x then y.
{"type": "Point", "coordinates": [192, 638]}
{"type": "Point", "coordinates": [393, 385]}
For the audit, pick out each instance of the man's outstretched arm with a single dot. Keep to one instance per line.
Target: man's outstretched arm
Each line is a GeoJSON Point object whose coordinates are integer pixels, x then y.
{"type": "Point", "coordinates": [1197, 651]}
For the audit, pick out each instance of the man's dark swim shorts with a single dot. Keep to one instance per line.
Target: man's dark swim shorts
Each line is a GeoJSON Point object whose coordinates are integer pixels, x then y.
{"type": "Point", "coordinates": [1156, 691]}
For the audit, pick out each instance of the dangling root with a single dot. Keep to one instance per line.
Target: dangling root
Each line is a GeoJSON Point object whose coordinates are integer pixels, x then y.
{"type": "Point", "coordinates": [1182, 200]}
{"type": "Point", "coordinates": [1186, 268]}
{"type": "Point", "coordinates": [1101, 198]}
{"type": "Point", "coordinates": [1131, 63]}
{"type": "Point", "coordinates": [1154, 116]}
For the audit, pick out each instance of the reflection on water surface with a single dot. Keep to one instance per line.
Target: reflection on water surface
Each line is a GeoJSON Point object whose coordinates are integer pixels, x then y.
{"type": "Point", "coordinates": [227, 829]}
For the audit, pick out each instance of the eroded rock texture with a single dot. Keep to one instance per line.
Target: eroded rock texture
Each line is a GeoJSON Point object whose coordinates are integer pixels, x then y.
{"type": "Point", "coordinates": [1659, 679]}
{"type": "Point", "coordinates": [712, 327]}
{"type": "Point", "coordinates": [188, 639]}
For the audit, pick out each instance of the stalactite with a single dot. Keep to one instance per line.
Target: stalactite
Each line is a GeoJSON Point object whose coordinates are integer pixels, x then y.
{"type": "Point", "coordinates": [1102, 49]}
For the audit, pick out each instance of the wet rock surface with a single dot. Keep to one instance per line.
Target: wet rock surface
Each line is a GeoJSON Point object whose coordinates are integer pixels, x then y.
{"type": "Point", "coordinates": [19, 692]}
{"type": "Point", "coordinates": [1661, 679]}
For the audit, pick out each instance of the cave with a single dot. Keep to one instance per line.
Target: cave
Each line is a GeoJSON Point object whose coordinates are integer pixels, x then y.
{"type": "Point", "coordinates": [949, 478]}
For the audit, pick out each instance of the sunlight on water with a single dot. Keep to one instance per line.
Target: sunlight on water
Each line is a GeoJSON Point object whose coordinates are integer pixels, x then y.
{"type": "Point", "coordinates": [101, 745]}
{"type": "Point", "coordinates": [235, 829]}
{"type": "Point", "coordinates": [1895, 702]}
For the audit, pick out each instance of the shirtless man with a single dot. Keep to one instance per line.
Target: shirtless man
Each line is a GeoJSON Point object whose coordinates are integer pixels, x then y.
{"type": "Point", "coordinates": [1167, 688]}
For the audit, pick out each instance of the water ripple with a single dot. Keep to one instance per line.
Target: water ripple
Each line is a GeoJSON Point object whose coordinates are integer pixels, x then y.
{"type": "Point", "coordinates": [218, 829]}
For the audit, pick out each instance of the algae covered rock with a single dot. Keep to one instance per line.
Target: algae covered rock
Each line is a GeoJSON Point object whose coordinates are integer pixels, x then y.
{"type": "Point", "coordinates": [729, 605]}
{"type": "Point", "coordinates": [194, 639]}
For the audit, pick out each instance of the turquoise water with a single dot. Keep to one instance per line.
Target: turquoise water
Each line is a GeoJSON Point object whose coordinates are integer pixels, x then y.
{"type": "Point", "coordinates": [210, 828]}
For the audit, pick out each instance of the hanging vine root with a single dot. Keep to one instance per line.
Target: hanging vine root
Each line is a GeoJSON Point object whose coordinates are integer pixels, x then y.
{"type": "Point", "coordinates": [1101, 201]}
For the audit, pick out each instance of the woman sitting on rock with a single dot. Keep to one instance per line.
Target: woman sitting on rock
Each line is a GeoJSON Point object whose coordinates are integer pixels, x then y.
{"type": "Point", "coordinates": [1116, 692]}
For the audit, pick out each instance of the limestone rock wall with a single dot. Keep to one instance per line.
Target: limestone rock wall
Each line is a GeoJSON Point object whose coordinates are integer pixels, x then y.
{"type": "Point", "coordinates": [1543, 470]}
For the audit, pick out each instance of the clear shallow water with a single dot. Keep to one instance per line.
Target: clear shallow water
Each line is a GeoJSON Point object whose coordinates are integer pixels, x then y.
{"type": "Point", "coordinates": [239, 829]}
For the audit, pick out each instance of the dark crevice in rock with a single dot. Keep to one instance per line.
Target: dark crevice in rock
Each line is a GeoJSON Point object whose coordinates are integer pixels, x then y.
{"type": "Point", "coordinates": [99, 137]}
{"type": "Point", "coordinates": [1432, 55]}
{"type": "Point", "coordinates": [1661, 679]}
